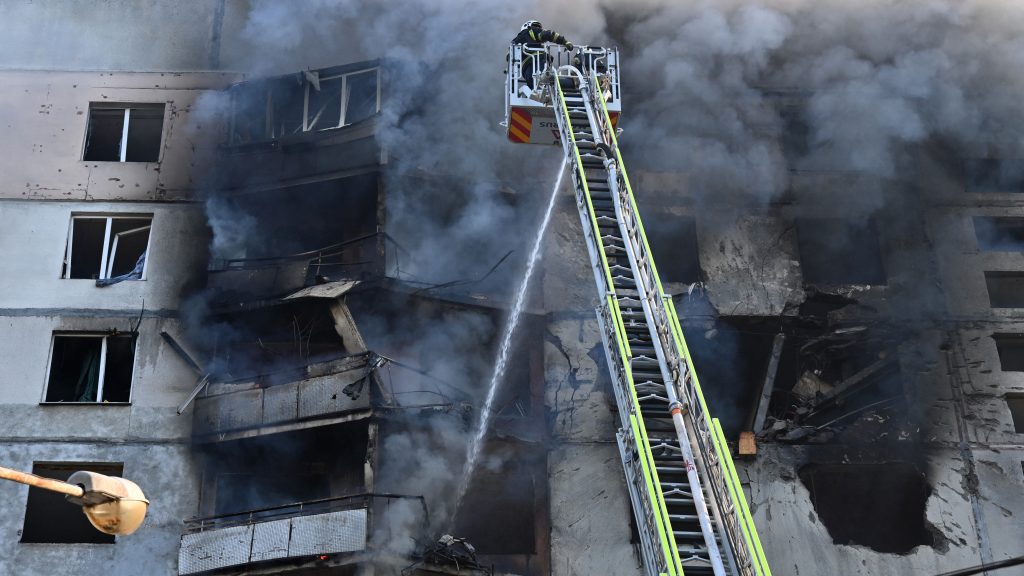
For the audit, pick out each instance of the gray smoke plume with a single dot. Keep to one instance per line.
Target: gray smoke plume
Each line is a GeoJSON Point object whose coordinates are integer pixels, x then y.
{"type": "Point", "coordinates": [735, 95]}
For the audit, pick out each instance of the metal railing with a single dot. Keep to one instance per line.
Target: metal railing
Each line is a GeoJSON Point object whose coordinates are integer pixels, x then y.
{"type": "Point", "coordinates": [305, 508]}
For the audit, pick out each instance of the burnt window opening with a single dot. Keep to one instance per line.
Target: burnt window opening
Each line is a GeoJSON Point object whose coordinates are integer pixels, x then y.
{"type": "Point", "coordinates": [999, 234]}
{"type": "Point", "coordinates": [1015, 402]}
{"type": "Point", "coordinates": [731, 358]}
{"type": "Point", "coordinates": [836, 251]}
{"type": "Point", "coordinates": [91, 368]}
{"type": "Point", "coordinates": [1005, 289]}
{"type": "Point", "coordinates": [1010, 348]}
{"type": "Point", "coordinates": [268, 109]}
{"type": "Point", "coordinates": [499, 510]}
{"type": "Point", "coordinates": [124, 132]}
{"type": "Point", "coordinates": [878, 505]}
{"type": "Point", "coordinates": [291, 221]}
{"type": "Point", "coordinates": [994, 175]}
{"type": "Point", "coordinates": [50, 519]}
{"type": "Point", "coordinates": [275, 339]}
{"type": "Point", "coordinates": [254, 474]}
{"type": "Point", "coordinates": [107, 247]}
{"type": "Point", "coordinates": [673, 241]}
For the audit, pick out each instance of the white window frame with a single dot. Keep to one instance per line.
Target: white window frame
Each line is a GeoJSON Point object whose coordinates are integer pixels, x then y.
{"type": "Point", "coordinates": [123, 144]}
{"type": "Point", "coordinates": [109, 251]}
{"type": "Point", "coordinates": [307, 122]}
{"type": "Point", "coordinates": [103, 369]}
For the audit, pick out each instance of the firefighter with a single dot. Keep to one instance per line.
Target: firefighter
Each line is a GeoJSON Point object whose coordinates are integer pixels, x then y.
{"type": "Point", "coordinates": [533, 35]}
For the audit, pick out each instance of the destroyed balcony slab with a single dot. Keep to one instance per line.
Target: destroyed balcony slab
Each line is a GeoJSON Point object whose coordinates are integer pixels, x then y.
{"type": "Point", "coordinates": [329, 393]}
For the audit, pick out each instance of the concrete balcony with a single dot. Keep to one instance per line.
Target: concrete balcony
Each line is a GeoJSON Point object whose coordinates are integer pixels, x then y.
{"type": "Point", "coordinates": [328, 532]}
{"type": "Point", "coordinates": [317, 395]}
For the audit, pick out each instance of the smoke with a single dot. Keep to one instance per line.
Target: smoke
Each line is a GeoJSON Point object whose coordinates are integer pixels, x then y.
{"type": "Point", "coordinates": [738, 96]}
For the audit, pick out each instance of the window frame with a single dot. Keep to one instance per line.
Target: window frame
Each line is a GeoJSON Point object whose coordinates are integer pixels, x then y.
{"type": "Point", "coordinates": [307, 122]}
{"type": "Point", "coordinates": [109, 248]}
{"type": "Point", "coordinates": [102, 369]}
{"type": "Point", "coordinates": [123, 145]}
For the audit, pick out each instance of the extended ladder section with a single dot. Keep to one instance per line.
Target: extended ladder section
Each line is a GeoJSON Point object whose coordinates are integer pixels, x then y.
{"type": "Point", "coordinates": [690, 509]}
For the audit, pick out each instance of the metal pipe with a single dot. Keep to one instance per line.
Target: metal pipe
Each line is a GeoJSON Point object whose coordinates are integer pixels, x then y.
{"type": "Point", "coordinates": [992, 566]}
{"type": "Point", "coordinates": [40, 482]}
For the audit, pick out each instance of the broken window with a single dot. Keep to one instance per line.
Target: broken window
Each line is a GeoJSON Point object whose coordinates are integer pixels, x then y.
{"type": "Point", "coordinates": [50, 519]}
{"type": "Point", "coordinates": [88, 367]}
{"type": "Point", "coordinates": [335, 101]}
{"type": "Point", "coordinates": [107, 247]}
{"type": "Point", "coordinates": [999, 234]}
{"type": "Point", "coordinates": [124, 132]}
{"type": "Point", "coordinates": [878, 505]}
{"type": "Point", "coordinates": [836, 251]}
{"type": "Point", "coordinates": [673, 241]}
{"type": "Point", "coordinates": [1015, 402]}
{"type": "Point", "coordinates": [994, 175]}
{"type": "Point", "coordinates": [1005, 289]}
{"type": "Point", "coordinates": [1011, 351]}
{"type": "Point", "coordinates": [272, 108]}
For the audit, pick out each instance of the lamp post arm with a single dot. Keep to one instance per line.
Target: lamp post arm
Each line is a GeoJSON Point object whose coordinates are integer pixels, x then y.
{"type": "Point", "coordinates": [40, 482]}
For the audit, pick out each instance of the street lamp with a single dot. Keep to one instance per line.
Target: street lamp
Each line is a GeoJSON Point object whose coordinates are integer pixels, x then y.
{"type": "Point", "coordinates": [113, 505]}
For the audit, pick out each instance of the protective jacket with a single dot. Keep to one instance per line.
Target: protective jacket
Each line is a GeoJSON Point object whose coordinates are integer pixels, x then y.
{"type": "Point", "coordinates": [533, 36]}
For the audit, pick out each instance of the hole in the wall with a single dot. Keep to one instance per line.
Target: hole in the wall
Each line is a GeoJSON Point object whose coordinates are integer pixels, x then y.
{"type": "Point", "coordinates": [836, 251]}
{"type": "Point", "coordinates": [878, 505]}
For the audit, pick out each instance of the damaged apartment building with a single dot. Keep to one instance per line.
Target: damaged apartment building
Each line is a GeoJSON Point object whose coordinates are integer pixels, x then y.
{"type": "Point", "coordinates": [204, 292]}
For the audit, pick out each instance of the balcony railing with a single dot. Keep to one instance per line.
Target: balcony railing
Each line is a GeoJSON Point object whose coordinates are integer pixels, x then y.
{"type": "Point", "coordinates": [326, 390]}
{"type": "Point", "coordinates": [294, 531]}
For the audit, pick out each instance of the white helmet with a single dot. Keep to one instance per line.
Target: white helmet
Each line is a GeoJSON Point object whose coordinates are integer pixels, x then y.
{"type": "Point", "coordinates": [531, 24]}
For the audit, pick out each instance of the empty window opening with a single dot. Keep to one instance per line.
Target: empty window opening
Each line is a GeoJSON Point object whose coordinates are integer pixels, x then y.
{"type": "Point", "coordinates": [91, 368]}
{"type": "Point", "coordinates": [999, 234]}
{"type": "Point", "coordinates": [1011, 351]}
{"type": "Point", "coordinates": [1005, 289]}
{"type": "Point", "coordinates": [51, 519]}
{"type": "Point", "coordinates": [835, 251]}
{"type": "Point", "coordinates": [107, 247]}
{"type": "Point", "coordinates": [994, 175]}
{"type": "Point", "coordinates": [124, 133]}
{"type": "Point", "coordinates": [1015, 402]}
{"type": "Point", "coordinates": [673, 242]}
{"type": "Point", "coordinates": [878, 505]}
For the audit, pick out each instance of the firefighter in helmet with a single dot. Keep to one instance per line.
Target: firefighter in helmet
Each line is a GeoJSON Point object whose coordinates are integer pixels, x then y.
{"type": "Point", "coordinates": [533, 35]}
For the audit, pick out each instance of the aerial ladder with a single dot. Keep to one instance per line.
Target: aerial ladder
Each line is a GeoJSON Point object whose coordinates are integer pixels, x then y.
{"type": "Point", "coordinates": [689, 506]}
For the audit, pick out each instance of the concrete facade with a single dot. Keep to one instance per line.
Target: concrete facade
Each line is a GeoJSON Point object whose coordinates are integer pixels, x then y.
{"type": "Point", "coordinates": [45, 183]}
